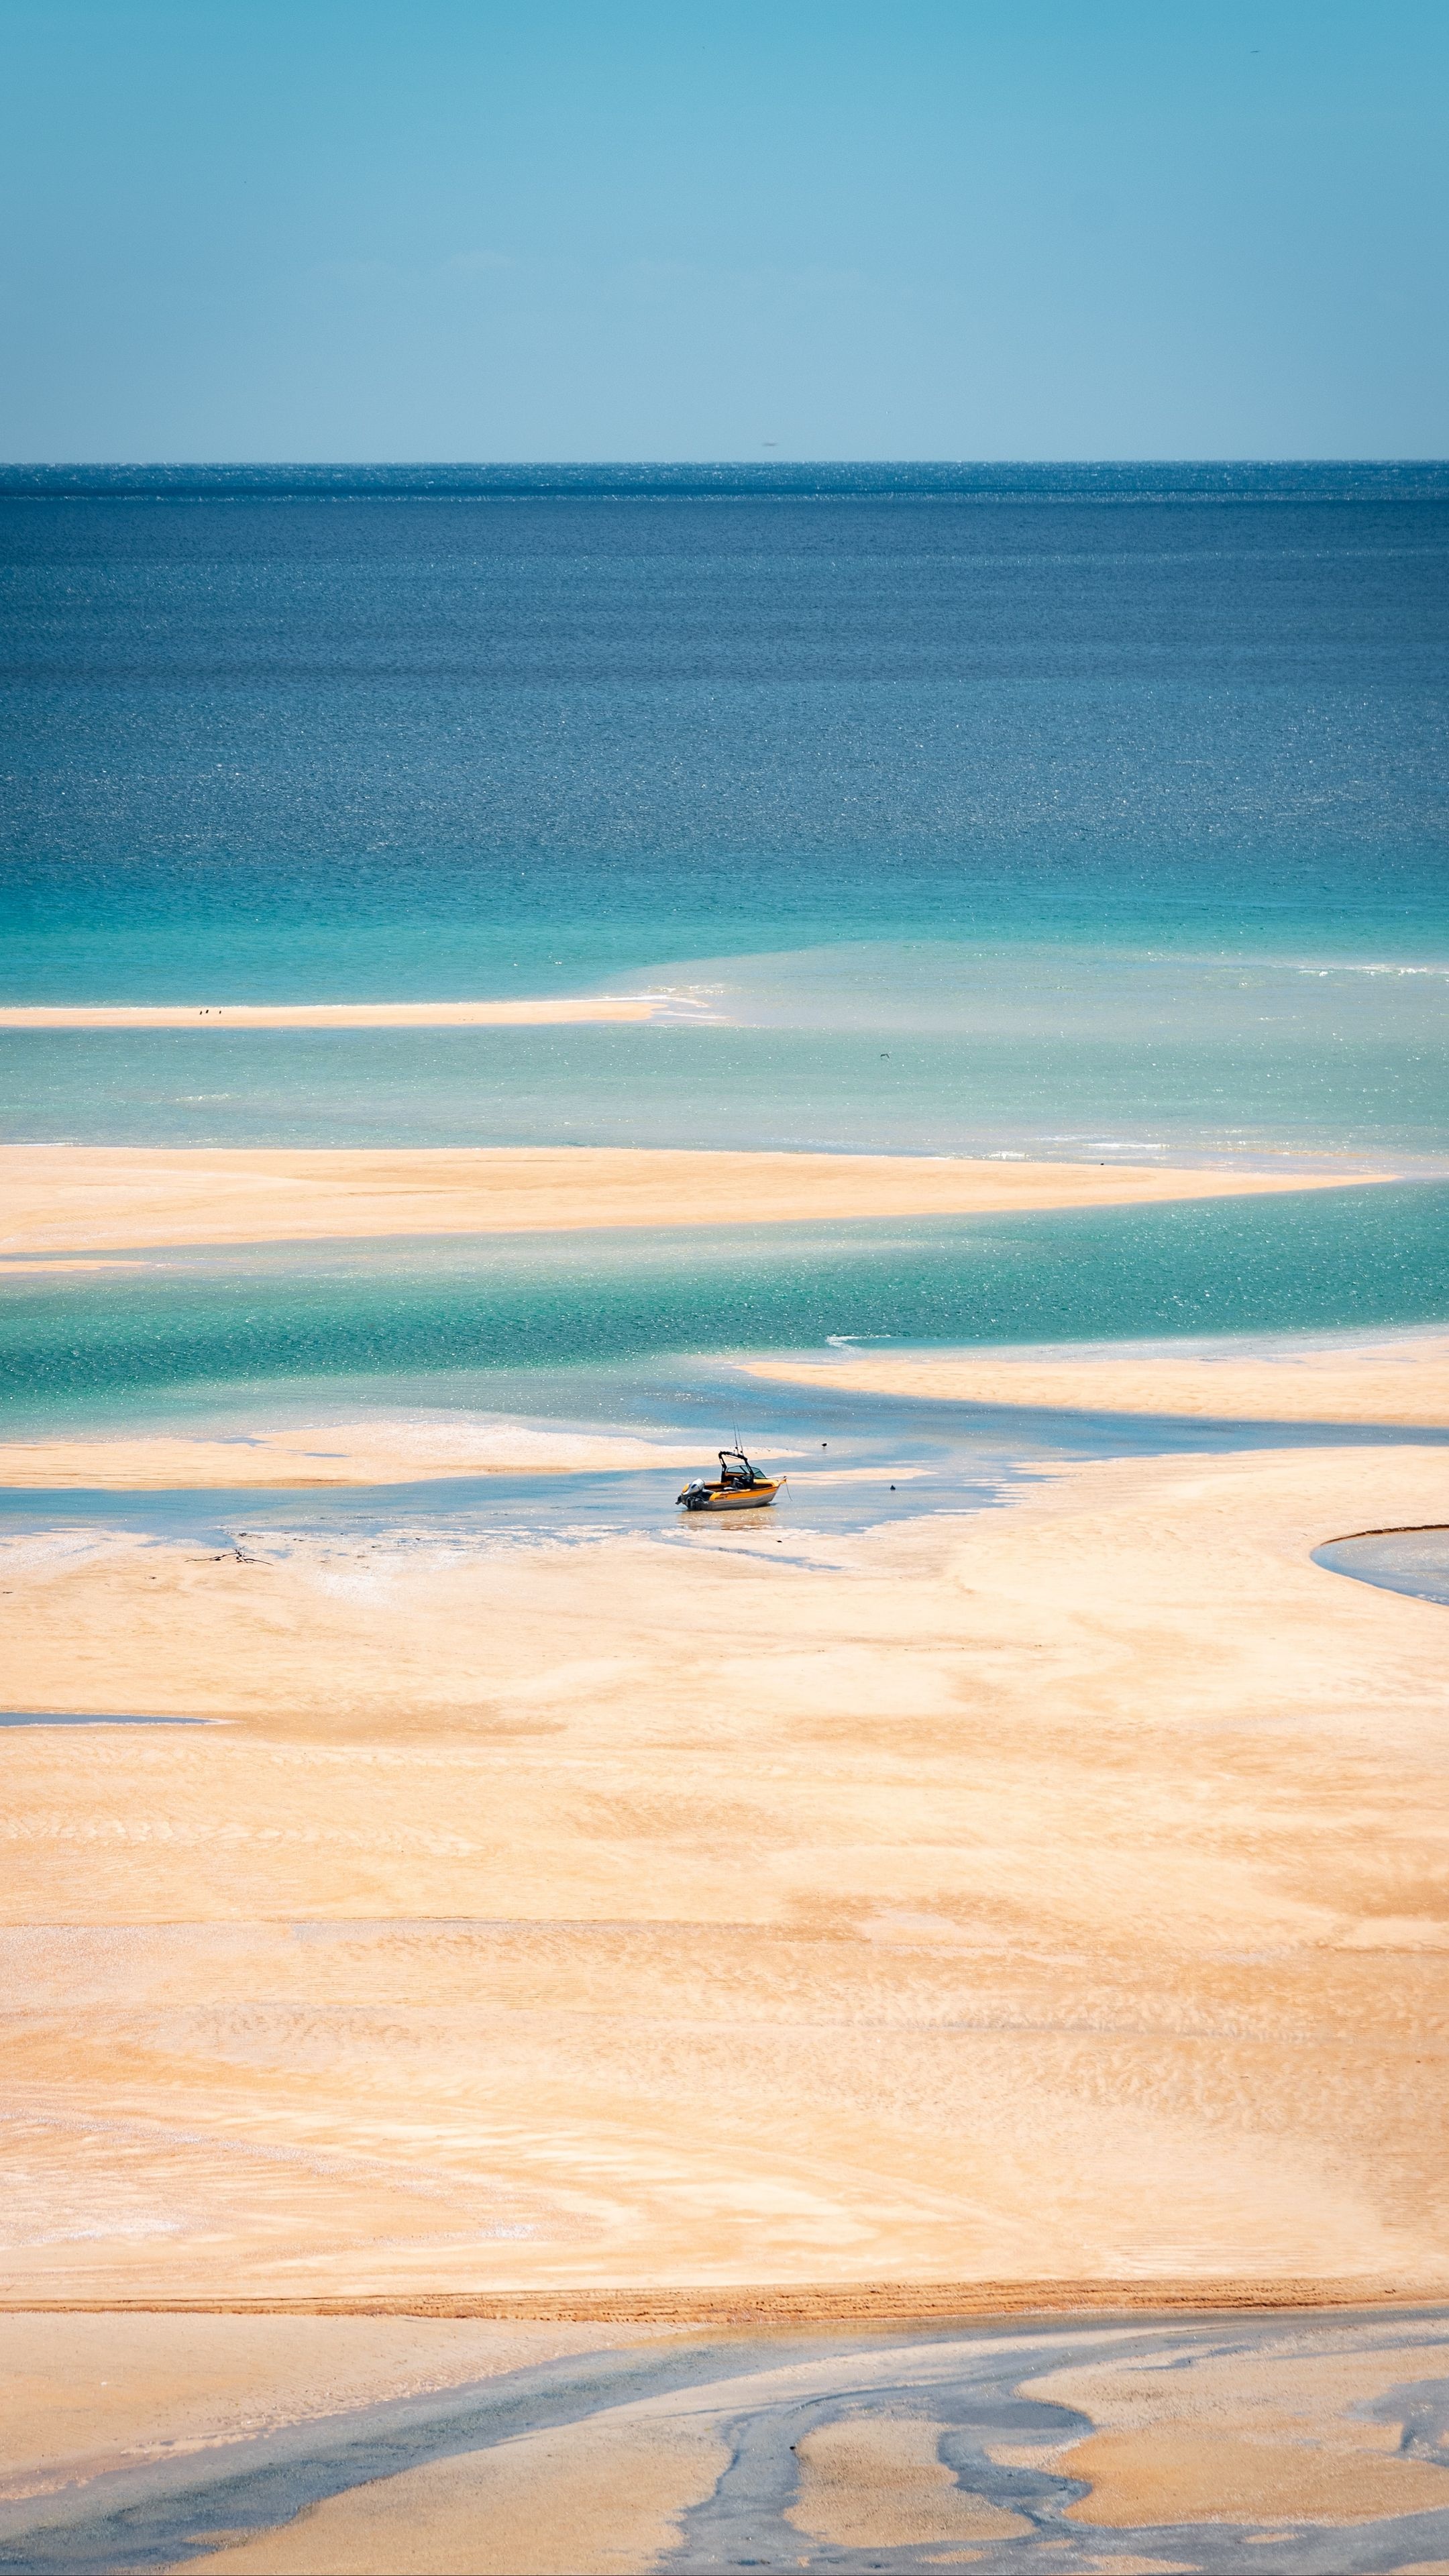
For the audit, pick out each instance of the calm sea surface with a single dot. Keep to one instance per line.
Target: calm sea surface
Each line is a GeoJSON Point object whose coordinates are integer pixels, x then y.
{"type": "Point", "coordinates": [1089, 812]}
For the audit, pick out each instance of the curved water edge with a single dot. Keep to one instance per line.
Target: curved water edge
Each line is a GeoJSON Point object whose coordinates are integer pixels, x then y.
{"type": "Point", "coordinates": [1412, 1561]}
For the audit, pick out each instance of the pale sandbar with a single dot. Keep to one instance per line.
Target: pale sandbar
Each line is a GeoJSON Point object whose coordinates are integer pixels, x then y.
{"type": "Point", "coordinates": [88, 1198]}
{"type": "Point", "coordinates": [1405, 1380]}
{"type": "Point", "coordinates": [534, 1012]}
{"type": "Point", "coordinates": [381, 1450]}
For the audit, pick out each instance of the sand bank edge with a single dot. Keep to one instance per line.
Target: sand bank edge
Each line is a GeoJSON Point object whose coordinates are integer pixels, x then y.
{"type": "Point", "coordinates": [846, 2303]}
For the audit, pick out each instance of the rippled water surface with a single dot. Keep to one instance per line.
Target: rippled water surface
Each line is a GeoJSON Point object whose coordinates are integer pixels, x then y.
{"type": "Point", "coordinates": [1087, 813]}
{"type": "Point", "coordinates": [88, 1344]}
{"type": "Point", "coordinates": [989, 759]}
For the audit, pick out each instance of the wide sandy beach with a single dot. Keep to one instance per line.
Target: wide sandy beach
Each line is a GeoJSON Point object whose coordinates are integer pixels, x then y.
{"type": "Point", "coordinates": [1056, 1892]}
{"type": "Point", "coordinates": [78, 1199]}
{"type": "Point", "coordinates": [1038, 1907]}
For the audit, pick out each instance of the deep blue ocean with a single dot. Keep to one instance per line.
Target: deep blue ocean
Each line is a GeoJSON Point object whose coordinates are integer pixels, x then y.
{"type": "Point", "coordinates": [1077, 811]}
{"type": "Point", "coordinates": [361, 738]}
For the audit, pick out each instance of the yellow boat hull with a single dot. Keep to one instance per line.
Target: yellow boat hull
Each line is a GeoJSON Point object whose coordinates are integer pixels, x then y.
{"type": "Point", "coordinates": [737, 1498]}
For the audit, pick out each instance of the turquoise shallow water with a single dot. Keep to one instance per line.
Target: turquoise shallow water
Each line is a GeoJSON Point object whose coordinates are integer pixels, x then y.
{"type": "Point", "coordinates": [1099, 814]}
{"type": "Point", "coordinates": [893, 1049]}
{"type": "Point", "coordinates": [853, 1463]}
{"type": "Point", "coordinates": [90, 1345]}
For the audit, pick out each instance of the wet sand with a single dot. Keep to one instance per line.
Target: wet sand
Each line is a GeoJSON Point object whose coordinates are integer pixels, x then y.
{"type": "Point", "coordinates": [1296, 2429]}
{"type": "Point", "coordinates": [77, 1199]}
{"type": "Point", "coordinates": [1301, 2444]}
{"type": "Point", "coordinates": [88, 2395]}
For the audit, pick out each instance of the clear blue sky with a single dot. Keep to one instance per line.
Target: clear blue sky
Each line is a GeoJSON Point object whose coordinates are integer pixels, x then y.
{"type": "Point", "coordinates": [648, 229]}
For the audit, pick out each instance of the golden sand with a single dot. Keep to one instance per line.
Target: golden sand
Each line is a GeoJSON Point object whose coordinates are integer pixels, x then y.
{"type": "Point", "coordinates": [535, 1013]}
{"type": "Point", "coordinates": [84, 2395]}
{"type": "Point", "coordinates": [76, 1199]}
{"type": "Point", "coordinates": [1059, 1892]}
{"type": "Point", "coordinates": [1269, 2437]}
{"type": "Point", "coordinates": [878, 2482]}
{"type": "Point", "coordinates": [1401, 1381]}
{"type": "Point", "coordinates": [585, 2499]}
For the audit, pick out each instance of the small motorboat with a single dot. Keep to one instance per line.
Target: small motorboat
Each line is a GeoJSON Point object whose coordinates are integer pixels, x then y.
{"type": "Point", "coordinates": [739, 1487]}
